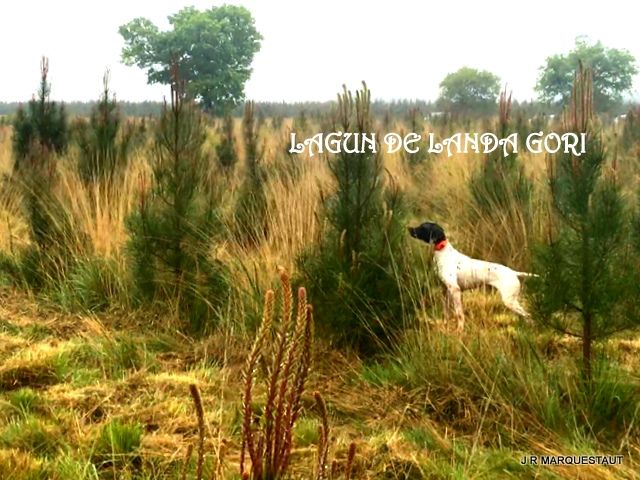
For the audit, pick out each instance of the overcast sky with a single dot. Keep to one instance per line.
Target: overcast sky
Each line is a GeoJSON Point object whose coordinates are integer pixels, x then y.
{"type": "Point", "coordinates": [402, 49]}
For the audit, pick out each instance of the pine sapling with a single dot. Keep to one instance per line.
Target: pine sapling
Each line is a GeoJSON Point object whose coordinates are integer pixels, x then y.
{"type": "Point", "coordinates": [252, 203]}
{"type": "Point", "coordinates": [101, 150]}
{"type": "Point", "coordinates": [501, 192]}
{"type": "Point", "coordinates": [354, 271]}
{"type": "Point", "coordinates": [41, 130]}
{"type": "Point", "coordinates": [226, 149]}
{"type": "Point", "coordinates": [172, 228]}
{"type": "Point", "coordinates": [40, 135]}
{"type": "Point", "coordinates": [588, 270]}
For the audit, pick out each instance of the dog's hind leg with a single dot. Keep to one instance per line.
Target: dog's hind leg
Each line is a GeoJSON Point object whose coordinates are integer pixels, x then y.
{"type": "Point", "coordinates": [510, 294]}
{"type": "Point", "coordinates": [510, 298]}
{"type": "Point", "coordinates": [515, 306]}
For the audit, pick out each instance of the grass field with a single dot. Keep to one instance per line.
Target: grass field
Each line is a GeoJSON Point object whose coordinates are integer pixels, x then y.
{"type": "Point", "coordinates": [104, 392]}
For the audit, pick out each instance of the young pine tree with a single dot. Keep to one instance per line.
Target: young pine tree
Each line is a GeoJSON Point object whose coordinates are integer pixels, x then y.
{"type": "Point", "coordinates": [251, 208]}
{"type": "Point", "coordinates": [40, 130]}
{"type": "Point", "coordinates": [40, 133]}
{"type": "Point", "coordinates": [351, 271]}
{"type": "Point", "coordinates": [171, 230]}
{"type": "Point", "coordinates": [415, 120]}
{"type": "Point", "coordinates": [226, 149]}
{"type": "Point", "coordinates": [98, 140]}
{"type": "Point", "coordinates": [631, 130]}
{"type": "Point", "coordinates": [301, 124]}
{"type": "Point", "coordinates": [588, 285]}
{"type": "Point", "coordinates": [501, 192]}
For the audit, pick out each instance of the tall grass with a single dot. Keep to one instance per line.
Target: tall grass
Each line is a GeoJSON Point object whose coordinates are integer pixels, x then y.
{"type": "Point", "coordinates": [293, 215]}
{"type": "Point", "coordinates": [495, 388]}
{"type": "Point", "coordinates": [501, 388]}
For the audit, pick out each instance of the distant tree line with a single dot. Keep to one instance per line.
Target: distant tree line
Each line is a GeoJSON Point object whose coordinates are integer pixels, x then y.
{"type": "Point", "coordinates": [379, 108]}
{"type": "Point", "coordinates": [84, 109]}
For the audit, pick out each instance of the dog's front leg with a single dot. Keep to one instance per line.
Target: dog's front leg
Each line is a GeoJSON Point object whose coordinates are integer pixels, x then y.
{"type": "Point", "coordinates": [446, 303]}
{"type": "Point", "coordinates": [454, 295]}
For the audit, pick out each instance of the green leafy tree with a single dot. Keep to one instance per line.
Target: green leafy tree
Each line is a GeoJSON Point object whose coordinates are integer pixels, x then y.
{"type": "Point", "coordinates": [352, 270]}
{"type": "Point", "coordinates": [171, 230]}
{"type": "Point", "coordinates": [214, 49]}
{"type": "Point", "coordinates": [469, 91]}
{"type": "Point", "coordinates": [613, 72]}
{"type": "Point", "coordinates": [588, 285]}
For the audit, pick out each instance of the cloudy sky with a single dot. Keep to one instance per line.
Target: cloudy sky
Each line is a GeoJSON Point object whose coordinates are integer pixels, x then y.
{"type": "Point", "coordinates": [402, 49]}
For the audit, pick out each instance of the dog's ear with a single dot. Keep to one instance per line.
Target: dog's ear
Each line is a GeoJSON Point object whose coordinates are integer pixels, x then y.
{"type": "Point", "coordinates": [430, 232]}
{"type": "Point", "coordinates": [438, 233]}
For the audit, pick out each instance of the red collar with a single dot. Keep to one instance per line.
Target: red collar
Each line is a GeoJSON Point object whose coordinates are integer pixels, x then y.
{"type": "Point", "coordinates": [440, 245]}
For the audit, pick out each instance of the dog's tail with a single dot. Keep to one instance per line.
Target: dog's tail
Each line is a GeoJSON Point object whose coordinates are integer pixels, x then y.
{"type": "Point", "coordinates": [525, 274]}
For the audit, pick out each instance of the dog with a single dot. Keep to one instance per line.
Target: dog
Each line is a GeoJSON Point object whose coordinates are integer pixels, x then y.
{"type": "Point", "coordinates": [458, 272]}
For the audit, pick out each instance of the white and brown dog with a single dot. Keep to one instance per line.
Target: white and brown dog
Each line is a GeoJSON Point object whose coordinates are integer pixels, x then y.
{"type": "Point", "coordinates": [458, 272]}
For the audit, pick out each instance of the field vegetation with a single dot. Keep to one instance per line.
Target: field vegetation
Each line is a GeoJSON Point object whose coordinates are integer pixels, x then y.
{"type": "Point", "coordinates": [153, 324]}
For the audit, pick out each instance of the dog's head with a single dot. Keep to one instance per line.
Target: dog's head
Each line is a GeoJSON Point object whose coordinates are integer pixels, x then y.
{"type": "Point", "coordinates": [428, 232]}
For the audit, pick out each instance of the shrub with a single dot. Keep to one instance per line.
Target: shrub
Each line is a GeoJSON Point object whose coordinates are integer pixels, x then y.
{"type": "Point", "coordinates": [352, 271]}
{"type": "Point", "coordinates": [501, 192]}
{"type": "Point", "coordinates": [416, 125]}
{"type": "Point", "coordinates": [252, 203]}
{"type": "Point", "coordinates": [171, 229]}
{"type": "Point", "coordinates": [588, 271]}
{"type": "Point", "coordinates": [226, 149]}
{"type": "Point", "coordinates": [40, 134]}
{"type": "Point", "coordinates": [41, 129]}
{"type": "Point", "coordinates": [101, 150]}
{"type": "Point", "coordinates": [631, 129]}
{"type": "Point", "coordinates": [300, 124]}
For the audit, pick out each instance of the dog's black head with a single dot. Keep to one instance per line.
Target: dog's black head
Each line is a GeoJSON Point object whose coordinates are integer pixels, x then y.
{"type": "Point", "coordinates": [428, 232]}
